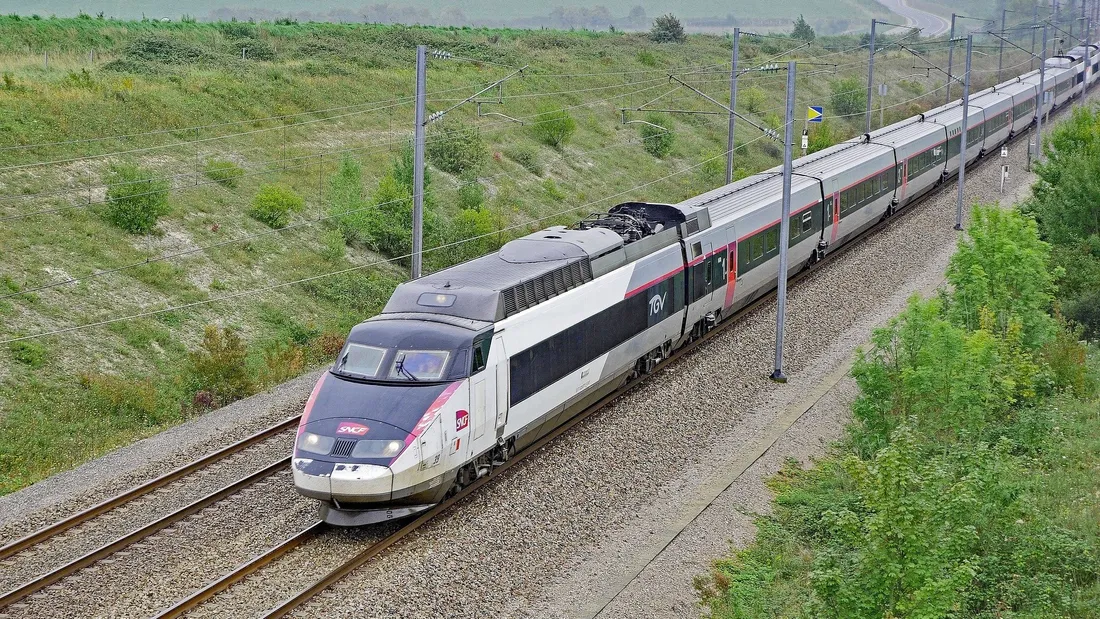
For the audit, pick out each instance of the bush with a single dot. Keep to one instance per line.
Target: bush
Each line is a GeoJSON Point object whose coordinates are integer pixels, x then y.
{"type": "Point", "coordinates": [454, 147]}
{"type": "Point", "coordinates": [667, 29]}
{"type": "Point", "coordinates": [647, 58]}
{"type": "Point", "coordinates": [657, 140]}
{"type": "Point", "coordinates": [1085, 311]}
{"type": "Point", "coordinates": [29, 352]}
{"type": "Point", "coordinates": [526, 157]}
{"type": "Point", "coordinates": [220, 366]}
{"type": "Point", "coordinates": [553, 127]}
{"type": "Point", "coordinates": [753, 99]}
{"type": "Point", "coordinates": [282, 363]}
{"type": "Point", "coordinates": [347, 204]}
{"type": "Point", "coordinates": [333, 246]}
{"type": "Point", "coordinates": [849, 96]}
{"type": "Point", "coordinates": [136, 199]}
{"type": "Point", "coordinates": [274, 204]}
{"type": "Point", "coordinates": [471, 194]}
{"type": "Point", "coordinates": [224, 173]}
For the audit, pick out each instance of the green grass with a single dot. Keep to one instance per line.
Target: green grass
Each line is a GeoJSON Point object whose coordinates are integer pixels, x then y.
{"type": "Point", "coordinates": [492, 11]}
{"type": "Point", "coordinates": [171, 78]}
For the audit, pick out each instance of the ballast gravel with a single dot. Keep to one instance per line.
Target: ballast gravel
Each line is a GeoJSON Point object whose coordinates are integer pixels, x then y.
{"type": "Point", "coordinates": [584, 505]}
{"type": "Point", "coordinates": [555, 535]}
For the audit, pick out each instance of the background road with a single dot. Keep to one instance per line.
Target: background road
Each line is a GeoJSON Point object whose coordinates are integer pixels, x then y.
{"type": "Point", "coordinates": [932, 25]}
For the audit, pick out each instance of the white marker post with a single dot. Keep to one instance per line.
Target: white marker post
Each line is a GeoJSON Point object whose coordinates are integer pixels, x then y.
{"type": "Point", "coordinates": [784, 228]}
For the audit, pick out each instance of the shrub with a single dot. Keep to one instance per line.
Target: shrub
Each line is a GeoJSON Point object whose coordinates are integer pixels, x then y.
{"type": "Point", "coordinates": [1002, 266]}
{"type": "Point", "coordinates": [657, 140]}
{"type": "Point", "coordinates": [1085, 311]}
{"type": "Point", "coordinates": [647, 58]}
{"type": "Point", "coordinates": [333, 246]}
{"type": "Point", "coordinates": [525, 156]}
{"type": "Point", "coordinates": [753, 99]}
{"type": "Point", "coordinates": [454, 147]}
{"type": "Point", "coordinates": [167, 50]}
{"type": "Point", "coordinates": [822, 137]}
{"type": "Point", "coordinates": [347, 204]}
{"type": "Point", "coordinates": [282, 362]}
{"type": "Point", "coordinates": [136, 199]}
{"type": "Point", "coordinates": [471, 194]}
{"type": "Point", "coordinates": [29, 352]}
{"type": "Point", "coordinates": [220, 366]}
{"type": "Point", "coordinates": [553, 127]}
{"type": "Point", "coordinates": [225, 173]}
{"type": "Point", "coordinates": [274, 204]}
{"type": "Point", "coordinates": [667, 29]}
{"type": "Point", "coordinates": [848, 96]}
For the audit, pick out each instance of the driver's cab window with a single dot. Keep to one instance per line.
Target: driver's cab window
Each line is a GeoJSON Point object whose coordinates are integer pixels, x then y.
{"type": "Point", "coordinates": [481, 352]}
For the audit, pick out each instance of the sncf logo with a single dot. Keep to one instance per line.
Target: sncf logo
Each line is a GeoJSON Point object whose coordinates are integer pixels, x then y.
{"type": "Point", "coordinates": [462, 420]}
{"type": "Point", "coordinates": [348, 428]}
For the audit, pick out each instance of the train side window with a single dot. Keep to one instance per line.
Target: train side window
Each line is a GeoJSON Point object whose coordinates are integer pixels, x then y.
{"type": "Point", "coordinates": [771, 240]}
{"type": "Point", "coordinates": [756, 247]}
{"type": "Point", "coordinates": [481, 352]}
{"type": "Point", "coordinates": [807, 222]}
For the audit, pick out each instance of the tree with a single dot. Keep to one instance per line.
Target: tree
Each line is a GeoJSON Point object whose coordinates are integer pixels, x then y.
{"type": "Point", "coordinates": [802, 30]}
{"type": "Point", "coordinates": [667, 29]}
{"type": "Point", "coordinates": [848, 96]}
{"type": "Point", "coordinates": [1001, 266]}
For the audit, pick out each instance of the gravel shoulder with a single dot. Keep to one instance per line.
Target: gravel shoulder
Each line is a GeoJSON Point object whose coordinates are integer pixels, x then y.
{"type": "Point", "coordinates": [560, 533]}
{"type": "Point", "coordinates": [63, 494]}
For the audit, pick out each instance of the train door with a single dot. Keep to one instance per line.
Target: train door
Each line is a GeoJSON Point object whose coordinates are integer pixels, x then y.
{"type": "Point", "coordinates": [482, 394]}
{"type": "Point", "coordinates": [501, 384]}
{"type": "Point", "coordinates": [831, 222]}
{"type": "Point", "coordinates": [431, 445]}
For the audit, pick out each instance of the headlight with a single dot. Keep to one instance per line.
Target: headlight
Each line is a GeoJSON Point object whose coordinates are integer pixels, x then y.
{"type": "Point", "coordinates": [315, 443]}
{"type": "Point", "coordinates": [377, 449]}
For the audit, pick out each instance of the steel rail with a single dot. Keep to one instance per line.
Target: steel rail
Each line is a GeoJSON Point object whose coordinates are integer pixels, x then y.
{"type": "Point", "coordinates": [110, 548]}
{"type": "Point", "coordinates": [339, 573]}
{"type": "Point", "coordinates": [99, 509]}
{"type": "Point", "coordinates": [193, 601]}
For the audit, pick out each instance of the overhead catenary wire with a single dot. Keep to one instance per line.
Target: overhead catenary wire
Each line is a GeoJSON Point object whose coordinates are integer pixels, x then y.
{"type": "Point", "coordinates": [271, 287]}
{"type": "Point", "coordinates": [250, 237]}
{"type": "Point", "coordinates": [493, 126]}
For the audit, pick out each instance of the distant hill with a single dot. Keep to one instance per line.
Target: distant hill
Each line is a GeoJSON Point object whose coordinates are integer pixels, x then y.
{"type": "Point", "coordinates": [827, 16]}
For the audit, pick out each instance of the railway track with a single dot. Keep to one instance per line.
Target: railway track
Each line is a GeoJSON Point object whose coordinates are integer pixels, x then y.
{"type": "Point", "coordinates": [318, 529]}
{"type": "Point", "coordinates": [39, 537]}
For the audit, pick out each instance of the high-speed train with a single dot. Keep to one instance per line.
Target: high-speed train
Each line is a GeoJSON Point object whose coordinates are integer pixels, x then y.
{"type": "Point", "coordinates": [467, 365]}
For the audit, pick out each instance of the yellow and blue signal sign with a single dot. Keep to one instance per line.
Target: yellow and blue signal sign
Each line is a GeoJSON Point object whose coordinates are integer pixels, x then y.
{"type": "Point", "coordinates": [815, 114]}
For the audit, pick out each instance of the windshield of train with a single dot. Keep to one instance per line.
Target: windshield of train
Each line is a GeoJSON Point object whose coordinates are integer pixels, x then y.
{"type": "Point", "coordinates": [388, 364]}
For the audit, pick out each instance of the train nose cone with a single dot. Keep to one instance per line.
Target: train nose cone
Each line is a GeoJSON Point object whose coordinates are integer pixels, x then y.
{"type": "Point", "coordinates": [361, 482]}
{"type": "Point", "coordinates": [353, 483]}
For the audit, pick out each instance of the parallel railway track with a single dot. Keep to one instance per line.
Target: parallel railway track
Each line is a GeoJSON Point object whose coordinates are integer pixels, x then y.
{"type": "Point", "coordinates": [46, 533]}
{"type": "Point", "coordinates": [319, 529]}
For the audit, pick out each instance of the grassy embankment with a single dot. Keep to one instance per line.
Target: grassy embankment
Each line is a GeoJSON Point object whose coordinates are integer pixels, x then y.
{"type": "Point", "coordinates": [969, 481]}
{"type": "Point", "coordinates": [321, 110]}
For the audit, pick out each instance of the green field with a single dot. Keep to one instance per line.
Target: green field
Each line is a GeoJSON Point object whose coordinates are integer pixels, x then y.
{"type": "Point", "coordinates": [323, 110]}
{"type": "Point", "coordinates": [473, 12]}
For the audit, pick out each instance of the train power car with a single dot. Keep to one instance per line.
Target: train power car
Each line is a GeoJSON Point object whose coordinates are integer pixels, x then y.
{"type": "Point", "coordinates": [465, 366]}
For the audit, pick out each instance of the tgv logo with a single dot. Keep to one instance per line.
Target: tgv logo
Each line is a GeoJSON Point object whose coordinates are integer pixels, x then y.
{"type": "Point", "coordinates": [657, 304]}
